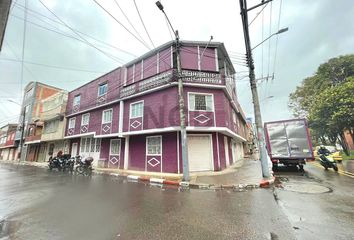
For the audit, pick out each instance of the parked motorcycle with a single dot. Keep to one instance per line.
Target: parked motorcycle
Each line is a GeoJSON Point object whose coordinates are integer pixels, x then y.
{"type": "Point", "coordinates": [68, 163]}
{"type": "Point", "coordinates": [55, 162]}
{"type": "Point", "coordinates": [84, 167]}
{"type": "Point", "coordinates": [327, 161]}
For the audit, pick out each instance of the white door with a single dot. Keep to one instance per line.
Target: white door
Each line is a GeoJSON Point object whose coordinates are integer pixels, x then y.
{"type": "Point", "coordinates": [74, 149]}
{"type": "Point", "coordinates": [90, 147]}
{"type": "Point", "coordinates": [200, 154]}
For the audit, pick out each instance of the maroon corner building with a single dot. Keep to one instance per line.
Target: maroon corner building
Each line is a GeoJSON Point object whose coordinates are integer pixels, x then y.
{"type": "Point", "coordinates": [129, 117]}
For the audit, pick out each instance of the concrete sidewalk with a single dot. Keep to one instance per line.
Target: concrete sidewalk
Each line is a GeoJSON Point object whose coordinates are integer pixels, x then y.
{"type": "Point", "coordinates": [248, 173]}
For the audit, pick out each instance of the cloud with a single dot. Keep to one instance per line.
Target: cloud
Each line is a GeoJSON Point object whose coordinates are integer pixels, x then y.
{"type": "Point", "coordinates": [318, 30]}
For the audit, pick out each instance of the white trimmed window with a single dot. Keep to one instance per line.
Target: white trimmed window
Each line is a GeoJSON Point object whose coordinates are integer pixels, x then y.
{"type": "Point", "coordinates": [115, 147]}
{"type": "Point", "coordinates": [77, 100]}
{"type": "Point", "coordinates": [201, 102]}
{"type": "Point", "coordinates": [107, 116]}
{"type": "Point", "coordinates": [85, 119]}
{"type": "Point", "coordinates": [102, 89]}
{"type": "Point", "coordinates": [234, 117]}
{"type": "Point", "coordinates": [136, 110]}
{"type": "Point", "coordinates": [153, 145]}
{"type": "Point", "coordinates": [72, 122]}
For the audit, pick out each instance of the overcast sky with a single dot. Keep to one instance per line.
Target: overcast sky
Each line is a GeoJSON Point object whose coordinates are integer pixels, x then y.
{"type": "Point", "coordinates": [318, 30]}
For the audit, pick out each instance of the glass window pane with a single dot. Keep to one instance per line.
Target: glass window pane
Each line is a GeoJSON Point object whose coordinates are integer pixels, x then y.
{"type": "Point", "coordinates": [137, 110]}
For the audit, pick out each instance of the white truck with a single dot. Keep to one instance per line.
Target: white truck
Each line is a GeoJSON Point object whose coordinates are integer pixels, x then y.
{"type": "Point", "coordinates": [288, 142]}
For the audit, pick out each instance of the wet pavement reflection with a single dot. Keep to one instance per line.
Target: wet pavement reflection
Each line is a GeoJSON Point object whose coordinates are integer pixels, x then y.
{"type": "Point", "coordinates": [38, 204]}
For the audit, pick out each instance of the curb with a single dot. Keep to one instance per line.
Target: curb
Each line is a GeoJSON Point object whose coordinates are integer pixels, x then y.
{"type": "Point", "coordinates": [183, 184]}
{"type": "Point", "coordinates": [267, 182]}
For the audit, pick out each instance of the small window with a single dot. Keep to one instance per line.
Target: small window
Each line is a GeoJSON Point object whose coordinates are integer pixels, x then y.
{"type": "Point", "coordinates": [98, 144]}
{"type": "Point", "coordinates": [85, 119]}
{"type": "Point", "coordinates": [234, 117]}
{"type": "Point", "coordinates": [72, 122]}
{"type": "Point", "coordinates": [102, 89]}
{"type": "Point", "coordinates": [107, 116]}
{"type": "Point", "coordinates": [77, 100]}
{"type": "Point", "coordinates": [115, 147]}
{"type": "Point", "coordinates": [153, 145]}
{"type": "Point", "coordinates": [200, 102]}
{"type": "Point", "coordinates": [136, 110]}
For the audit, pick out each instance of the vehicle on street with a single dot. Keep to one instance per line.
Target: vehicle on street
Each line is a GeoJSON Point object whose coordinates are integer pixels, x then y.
{"type": "Point", "coordinates": [334, 153]}
{"type": "Point", "coordinates": [288, 142]}
{"type": "Point", "coordinates": [84, 166]}
{"type": "Point", "coordinates": [328, 162]}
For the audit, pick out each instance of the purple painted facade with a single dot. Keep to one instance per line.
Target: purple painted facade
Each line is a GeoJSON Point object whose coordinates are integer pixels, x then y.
{"type": "Point", "coordinates": [142, 99]}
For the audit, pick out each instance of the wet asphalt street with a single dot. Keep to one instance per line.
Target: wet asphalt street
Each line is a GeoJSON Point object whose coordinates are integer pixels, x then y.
{"type": "Point", "coordinates": [319, 204]}
{"type": "Point", "coordinates": [38, 204]}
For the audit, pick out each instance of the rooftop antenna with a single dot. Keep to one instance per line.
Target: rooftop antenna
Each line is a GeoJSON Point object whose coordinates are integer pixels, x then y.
{"type": "Point", "coordinates": [201, 56]}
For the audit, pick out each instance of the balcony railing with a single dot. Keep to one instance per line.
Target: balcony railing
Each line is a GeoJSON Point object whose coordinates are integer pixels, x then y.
{"type": "Point", "coordinates": [33, 138]}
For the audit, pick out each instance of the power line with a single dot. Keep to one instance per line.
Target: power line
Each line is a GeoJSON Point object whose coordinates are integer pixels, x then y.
{"type": "Point", "coordinates": [121, 25]}
{"type": "Point", "coordinates": [276, 43]}
{"type": "Point", "coordinates": [257, 14]}
{"type": "Point", "coordinates": [141, 19]}
{"type": "Point", "coordinates": [49, 66]}
{"type": "Point", "coordinates": [73, 30]}
{"type": "Point", "coordinates": [36, 14]}
{"type": "Point", "coordinates": [126, 17]}
{"type": "Point", "coordinates": [13, 52]}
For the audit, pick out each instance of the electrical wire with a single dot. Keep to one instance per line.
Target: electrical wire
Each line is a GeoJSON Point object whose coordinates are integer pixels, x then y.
{"type": "Point", "coordinates": [50, 66]}
{"type": "Point", "coordinates": [142, 22]}
{"type": "Point", "coordinates": [258, 14]}
{"type": "Point", "coordinates": [37, 14]}
{"type": "Point", "coordinates": [73, 30]}
{"type": "Point", "coordinates": [130, 23]}
{"type": "Point", "coordinates": [276, 43]}
{"type": "Point", "coordinates": [121, 24]}
{"type": "Point", "coordinates": [168, 27]}
{"type": "Point", "coordinates": [92, 100]}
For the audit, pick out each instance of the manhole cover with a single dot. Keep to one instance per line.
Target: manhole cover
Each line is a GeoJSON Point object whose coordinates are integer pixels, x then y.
{"type": "Point", "coordinates": [306, 188]}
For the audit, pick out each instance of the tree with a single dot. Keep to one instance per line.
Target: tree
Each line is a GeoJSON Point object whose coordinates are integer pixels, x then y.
{"type": "Point", "coordinates": [332, 112]}
{"type": "Point", "coordinates": [334, 72]}
{"type": "Point", "coordinates": [326, 99]}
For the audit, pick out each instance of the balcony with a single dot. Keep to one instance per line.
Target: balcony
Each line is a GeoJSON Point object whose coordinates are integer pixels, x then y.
{"type": "Point", "coordinates": [197, 77]}
{"type": "Point", "coordinates": [33, 139]}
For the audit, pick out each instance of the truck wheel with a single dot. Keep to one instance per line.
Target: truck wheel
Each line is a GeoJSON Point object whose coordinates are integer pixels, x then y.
{"type": "Point", "coordinates": [275, 167]}
{"type": "Point", "coordinates": [335, 168]}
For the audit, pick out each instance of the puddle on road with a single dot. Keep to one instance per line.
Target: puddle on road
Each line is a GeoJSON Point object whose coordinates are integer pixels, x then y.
{"type": "Point", "coordinates": [310, 188]}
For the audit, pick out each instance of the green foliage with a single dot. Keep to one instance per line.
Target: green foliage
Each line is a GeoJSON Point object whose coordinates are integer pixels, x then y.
{"type": "Point", "coordinates": [327, 100]}
{"type": "Point", "coordinates": [334, 72]}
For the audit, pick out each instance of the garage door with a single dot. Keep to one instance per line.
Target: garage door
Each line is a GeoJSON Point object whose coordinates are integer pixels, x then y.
{"type": "Point", "coordinates": [200, 153]}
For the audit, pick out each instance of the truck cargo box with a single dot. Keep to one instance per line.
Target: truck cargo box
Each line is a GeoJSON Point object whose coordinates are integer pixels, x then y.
{"type": "Point", "coordinates": [288, 141]}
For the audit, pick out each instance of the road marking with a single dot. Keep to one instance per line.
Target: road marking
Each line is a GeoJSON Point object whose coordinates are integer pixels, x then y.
{"type": "Point", "coordinates": [345, 173]}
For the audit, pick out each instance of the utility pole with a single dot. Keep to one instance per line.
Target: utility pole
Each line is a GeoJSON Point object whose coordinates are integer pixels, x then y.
{"type": "Point", "coordinates": [22, 133]}
{"type": "Point", "coordinates": [253, 83]}
{"type": "Point", "coordinates": [185, 163]}
{"type": "Point", "coordinates": [182, 116]}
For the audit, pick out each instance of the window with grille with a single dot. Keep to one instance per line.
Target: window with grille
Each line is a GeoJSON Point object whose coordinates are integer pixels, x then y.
{"type": "Point", "coordinates": [85, 119]}
{"type": "Point", "coordinates": [136, 109]}
{"type": "Point", "coordinates": [72, 122]}
{"type": "Point", "coordinates": [115, 147]}
{"type": "Point", "coordinates": [201, 102]}
{"type": "Point", "coordinates": [77, 100]}
{"type": "Point", "coordinates": [107, 116]}
{"type": "Point", "coordinates": [102, 89]}
{"type": "Point", "coordinates": [153, 145]}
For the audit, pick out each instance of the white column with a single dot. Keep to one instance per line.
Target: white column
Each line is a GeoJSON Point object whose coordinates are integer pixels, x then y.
{"type": "Point", "coordinates": [126, 152]}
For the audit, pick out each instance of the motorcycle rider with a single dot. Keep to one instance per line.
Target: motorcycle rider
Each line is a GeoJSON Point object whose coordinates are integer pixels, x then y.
{"type": "Point", "coordinates": [323, 150]}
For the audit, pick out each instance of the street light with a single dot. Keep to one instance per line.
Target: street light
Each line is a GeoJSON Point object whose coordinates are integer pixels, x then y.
{"type": "Point", "coordinates": [180, 101]}
{"type": "Point", "coordinates": [279, 32]}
